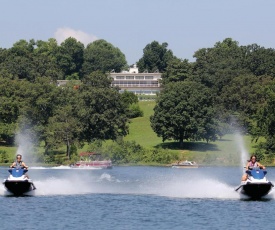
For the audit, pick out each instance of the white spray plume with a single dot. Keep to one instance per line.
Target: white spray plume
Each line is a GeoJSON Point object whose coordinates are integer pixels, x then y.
{"type": "Point", "coordinates": [241, 146]}
{"type": "Point", "coordinates": [25, 147]}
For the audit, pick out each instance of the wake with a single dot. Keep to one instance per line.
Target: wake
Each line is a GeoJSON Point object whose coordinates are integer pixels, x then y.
{"type": "Point", "coordinates": [174, 184]}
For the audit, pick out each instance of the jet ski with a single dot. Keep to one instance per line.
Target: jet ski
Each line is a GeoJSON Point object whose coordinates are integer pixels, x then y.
{"type": "Point", "coordinates": [256, 186]}
{"type": "Point", "coordinates": [18, 183]}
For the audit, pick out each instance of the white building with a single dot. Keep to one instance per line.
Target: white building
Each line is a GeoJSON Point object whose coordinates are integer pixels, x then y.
{"type": "Point", "coordinates": [138, 83]}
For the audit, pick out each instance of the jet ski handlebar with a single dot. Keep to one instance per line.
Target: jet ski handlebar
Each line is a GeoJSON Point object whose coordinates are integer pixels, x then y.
{"type": "Point", "coordinates": [16, 167]}
{"type": "Point", "coordinates": [255, 168]}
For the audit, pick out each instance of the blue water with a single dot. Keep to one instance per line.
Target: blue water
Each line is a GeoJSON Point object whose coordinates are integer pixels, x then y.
{"type": "Point", "coordinates": [136, 198]}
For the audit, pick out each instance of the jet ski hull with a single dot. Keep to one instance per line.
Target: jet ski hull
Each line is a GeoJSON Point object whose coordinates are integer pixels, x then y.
{"type": "Point", "coordinates": [19, 187]}
{"type": "Point", "coordinates": [256, 186]}
{"type": "Point", "coordinates": [256, 190]}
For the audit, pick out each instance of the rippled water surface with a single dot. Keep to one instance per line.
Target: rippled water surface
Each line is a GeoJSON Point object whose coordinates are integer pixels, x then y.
{"type": "Point", "coordinates": [136, 198]}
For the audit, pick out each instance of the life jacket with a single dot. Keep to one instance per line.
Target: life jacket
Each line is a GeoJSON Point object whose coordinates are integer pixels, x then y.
{"type": "Point", "coordinates": [18, 164]}
{"type": "Point", "coordinates": [253, 165]}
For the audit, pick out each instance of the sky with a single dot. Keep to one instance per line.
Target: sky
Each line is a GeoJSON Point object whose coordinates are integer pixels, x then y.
{"type": "Point", "coordinates": [130, 25]}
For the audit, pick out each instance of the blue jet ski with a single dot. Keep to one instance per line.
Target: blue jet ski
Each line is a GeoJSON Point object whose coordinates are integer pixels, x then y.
{"type": "Point", "coordinates": [18, 183]}
{"type": "Point", "coordinates": [256, 186]}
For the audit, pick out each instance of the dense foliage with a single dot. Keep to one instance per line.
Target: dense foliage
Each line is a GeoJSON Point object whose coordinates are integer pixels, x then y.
{"type": "Point", "coordinates": [241, 81]}
{"type": "Point", "coordinates": [227, 87]}
{"type": "Point", "coordinates": [155, 58]}
{"type": "Point", "coordinates": [184, 111]}
{"type": "Point", "coordinates": [69, 60]}
{"type": "Point", "coordinates": [101, 55]}
{"type": "Point", "coordinates": [61, 116]}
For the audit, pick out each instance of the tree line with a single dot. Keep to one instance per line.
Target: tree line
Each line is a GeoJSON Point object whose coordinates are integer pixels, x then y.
{"type": "Point", "coordinates": [227, 87]}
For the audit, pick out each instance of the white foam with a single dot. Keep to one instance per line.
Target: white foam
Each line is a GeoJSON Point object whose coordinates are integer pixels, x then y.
{"type": "Point", "coordinates": [202, 188]}
{"type": "Point", "coordinates": [55, 186]}
{"type": "Point", "coordinates": [179, 184]}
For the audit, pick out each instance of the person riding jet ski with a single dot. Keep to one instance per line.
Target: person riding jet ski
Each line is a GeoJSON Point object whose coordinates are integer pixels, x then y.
{"type": "Point", "coordinates": [18, 183]}
{"type": "Point", "coordinates": [254, 183]}
{"type": "Point", "coordinates": [19, 163]}
{"type": "Point", "coordinates": [252, 164]}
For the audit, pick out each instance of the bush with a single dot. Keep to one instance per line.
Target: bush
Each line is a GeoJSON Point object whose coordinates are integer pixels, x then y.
{"type": "Point", "coordinates": [135, 111]}
{"type": "Point", "coordinates": [4, 157]}
{"type": "Point", "coordinates": [129, 152]}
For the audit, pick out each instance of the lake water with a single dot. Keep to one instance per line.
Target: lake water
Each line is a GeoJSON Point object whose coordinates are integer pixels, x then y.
{"type": "Point", "coordinates": [136, 198]}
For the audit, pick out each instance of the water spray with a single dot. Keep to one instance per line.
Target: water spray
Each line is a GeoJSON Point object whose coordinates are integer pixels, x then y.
{"type": "Point", "coordinates": [25, 147]}
{"type": "Point", "coordinates": [243, 152]}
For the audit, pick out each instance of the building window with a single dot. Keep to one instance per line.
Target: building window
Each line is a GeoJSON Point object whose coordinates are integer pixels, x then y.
{"type": "Point", "coordinates": [139, 77]}
{"type": "Point", "coordinates": [130, 77]}
{"type": "Point", "coordinates": [149, 77]}
{"type": "Point", "coordinates": [120, 77]}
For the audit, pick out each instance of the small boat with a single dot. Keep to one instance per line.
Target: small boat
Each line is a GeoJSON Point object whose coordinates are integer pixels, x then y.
{"type": "Point", "coordinates": [185, 164]}
{"type": "Point", "coordinates": [18, 183]}
{"type": "Point", "coordinates": [256, 186]}
{"type": "Point", "coordinates": [91, 160]}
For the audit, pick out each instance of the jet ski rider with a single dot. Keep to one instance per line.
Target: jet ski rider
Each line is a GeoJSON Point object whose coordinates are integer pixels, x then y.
{"type": "Point", "coordinates": [19, 163]}
{"type": "Point", "coordinates": [251, 164]}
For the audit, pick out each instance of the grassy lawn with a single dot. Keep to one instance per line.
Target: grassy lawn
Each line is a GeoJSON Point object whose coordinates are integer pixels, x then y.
{"type": "Point", "coordinates": [10, 150]}
{"type": "Point", "coordinates": [226, 151]}
{"type": "Point", "coordinates": [140, 130]}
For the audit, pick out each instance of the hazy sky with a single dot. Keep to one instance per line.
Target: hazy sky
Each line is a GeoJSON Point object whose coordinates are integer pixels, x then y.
{"type": "Point", "coordinates": [186, 25]}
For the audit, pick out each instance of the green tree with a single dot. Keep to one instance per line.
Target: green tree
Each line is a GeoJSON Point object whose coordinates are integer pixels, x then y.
{"type": "Point", "coordinates": [259, 60]}
{"type": "Point", "coordinates": [9, 109]}
{"type": "Point", "coordinates": [4, 70]}
{"type": "Point", "coordinates": [38, 101]}
{"type": "Point", "coordinates": [129, 97]}
{"type": "Point", "coordinates": [102, 56]}
{"type": "Point", "coordinates": [177, 70]}
{"type": "Point", "coordinates": [265, 122]}
{"type": "Point", "coordinates": [243, 96]}
{"type": "Point", "coordinates": [216, 67]}
{"type": "Point", "coordinates": [63, 129]}
{"type": "Point", "coordinates": [96, 79]}
{"type": "Point", "coordinates": [155, 57]}
{"type": "Point", "coordinates": [45, 60]}
{"type": "Point", "coordinates": [184, 111]}
{"type": "Point", "coordinates": [70, 58]}
{"type": "Point", "coordinates": [131, 102]}
{"type": "Point", "coordinates": [100, 109]}
{"type": "Point", "coordinates": [19, 60]}
{"type": "Point", "coordinates": [29, 60]}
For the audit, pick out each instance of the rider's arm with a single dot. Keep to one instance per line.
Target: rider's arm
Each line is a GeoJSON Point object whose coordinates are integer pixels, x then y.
{"type": "Point", "coordinates": [247, 166]}
{"type": "Point", "coordinates": [12, 165]}
{"type": "Point", "coordinates": [261, 166]}
{"type": "Point", "coordinates": [24, 165]}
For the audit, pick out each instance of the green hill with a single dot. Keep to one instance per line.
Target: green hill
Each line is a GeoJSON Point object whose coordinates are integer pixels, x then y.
{"type": "Point", "coordinates": [227, 150]}
{"type": "Point", "coordinates": [140, 130]}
